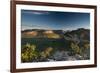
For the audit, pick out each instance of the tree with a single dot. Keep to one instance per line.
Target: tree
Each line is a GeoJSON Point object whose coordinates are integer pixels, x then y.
{"type": "Point", "coordinates": [75, 48]}
{"type": "Point", "coordinates": [46, 53]}
{"type": "Point", "coordinates": [28, 53]}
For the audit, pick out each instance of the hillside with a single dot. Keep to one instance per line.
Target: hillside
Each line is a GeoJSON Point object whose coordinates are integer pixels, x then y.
{"type": "Point", "coordinates": [37, 33]}
{"type": "Point", "coordinates": [56, 45]}
{"type": "Point", "coordinates": [79, 34]}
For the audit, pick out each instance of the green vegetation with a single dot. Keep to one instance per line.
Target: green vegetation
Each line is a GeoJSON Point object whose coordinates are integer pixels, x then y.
{"type": "Point", "coordinates": [81, 50]}
{"type": "Point", "coordinates": [28, 53]}
{"type": "Point", "coordinates": [46, 53]}
{"type": "Point", "coordinates": [53, 46]}
{"type": "Point", "coordinates": [75, 48]}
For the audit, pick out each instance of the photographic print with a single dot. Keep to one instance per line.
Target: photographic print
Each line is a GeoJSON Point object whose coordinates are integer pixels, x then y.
{"type": "Point", "coordinates": [52, 36]}
{"type": "Point", "coordinates": [48, 36]}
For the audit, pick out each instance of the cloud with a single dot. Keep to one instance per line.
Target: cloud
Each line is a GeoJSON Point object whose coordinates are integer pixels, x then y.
{"type": "Point", "coordinates": [35, 12]}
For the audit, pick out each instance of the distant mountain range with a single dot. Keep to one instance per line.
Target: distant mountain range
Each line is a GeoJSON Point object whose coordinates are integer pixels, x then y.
{"type": "Point", "coordinates": [40, 33]}
{"type": "Point", "coordinates": [75, 35]}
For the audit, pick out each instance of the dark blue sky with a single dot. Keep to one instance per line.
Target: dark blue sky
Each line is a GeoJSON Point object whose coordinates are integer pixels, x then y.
{"type": "Point", "coordinates": [31, 19]}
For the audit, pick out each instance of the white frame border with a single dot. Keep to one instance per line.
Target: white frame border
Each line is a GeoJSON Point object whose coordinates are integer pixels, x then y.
{"type": "Point", "coordinates": [20, 65]}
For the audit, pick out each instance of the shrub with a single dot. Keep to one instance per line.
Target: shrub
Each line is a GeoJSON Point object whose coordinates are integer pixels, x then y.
{"type": "Point", "coordinates": [29, 53]}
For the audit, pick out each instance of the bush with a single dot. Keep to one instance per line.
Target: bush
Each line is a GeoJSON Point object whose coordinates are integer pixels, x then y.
{"type": "Point", "coordinates": [75, 48]}
{"type": "Point", "coordinates": [28, 53]}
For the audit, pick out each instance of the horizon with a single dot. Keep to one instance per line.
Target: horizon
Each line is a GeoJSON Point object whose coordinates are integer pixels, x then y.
{"type": "Point", "coordinates": [56, 29]}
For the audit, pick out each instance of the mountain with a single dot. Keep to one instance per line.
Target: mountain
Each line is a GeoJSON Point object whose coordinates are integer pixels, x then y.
{"type": "Point", "coordinates": [76, 35]}
{"type": "Point", "coordinates": [40, 33]}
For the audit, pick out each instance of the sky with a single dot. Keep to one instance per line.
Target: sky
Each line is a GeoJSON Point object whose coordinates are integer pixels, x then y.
{"type": "Point", "coordinates": [54, 20]}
